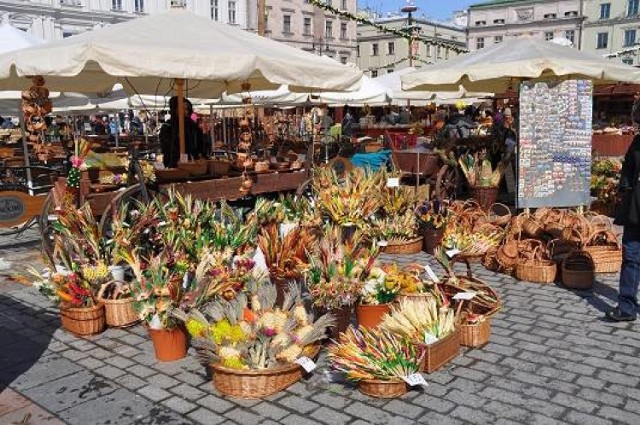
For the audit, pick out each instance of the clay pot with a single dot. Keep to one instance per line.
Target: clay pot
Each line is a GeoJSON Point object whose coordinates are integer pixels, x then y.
{"type": "Point", "coordinates": [370, 316]}
{"type": "Point", "coordinates": [432, 239]}
{"type": "Point", "coordinates": [169, 344]}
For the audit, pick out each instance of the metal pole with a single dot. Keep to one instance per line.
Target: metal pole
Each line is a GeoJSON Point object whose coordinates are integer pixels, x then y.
{"type": "Point", "coordinates": [181, 135]}
{"type": "Point", "coordinates": [211, 129]}
{"type": "Point", "coordinates": [25, 147]}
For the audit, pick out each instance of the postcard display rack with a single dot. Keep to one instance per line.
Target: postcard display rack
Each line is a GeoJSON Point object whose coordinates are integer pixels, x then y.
{"type": "Point", "coordinates": [554, 153]}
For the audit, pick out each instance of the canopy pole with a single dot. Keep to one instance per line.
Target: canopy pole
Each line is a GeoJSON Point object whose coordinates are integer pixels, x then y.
{"type": "Point", "coordinates": [25, 147]}
{"type": "Point", "coordinates": [180, 93]}
{"type": "Point", "coordinates": [212, 129]}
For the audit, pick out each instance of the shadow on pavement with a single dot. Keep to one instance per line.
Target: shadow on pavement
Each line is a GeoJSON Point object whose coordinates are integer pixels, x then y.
{"type": "Point", "coordinates": [602, 297]}
{"type": "Point", "coordinates": [20, 346]}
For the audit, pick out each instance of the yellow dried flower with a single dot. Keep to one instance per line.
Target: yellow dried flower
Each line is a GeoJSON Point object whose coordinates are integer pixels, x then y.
{"type": "Point", "coordinates": [300, 314]}
{"type": "Point", "coordinates": [102, 271]}
{"type": "Point", "coordinates": [289, 354]}
{"type": "Point", "coordinates": [195, 328]}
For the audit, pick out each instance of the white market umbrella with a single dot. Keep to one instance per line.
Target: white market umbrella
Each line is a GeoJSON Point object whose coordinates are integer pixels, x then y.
{"type": "Point", "coordinates": [371, 92]}
{"type": "Point", "coordinates": [11, 38]}
{"type": "Point", "coordinates": [501, 66]}
{"type": "Point", "coordinates": [153, 54]}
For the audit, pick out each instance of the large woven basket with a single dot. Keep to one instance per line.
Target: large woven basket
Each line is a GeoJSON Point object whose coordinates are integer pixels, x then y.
{"type": "Point", "coordinates": [382, 389]}
{"type": "Point", "coordinates": [412, 246]}
{"type": "Point", "coordinates": [606, 253]}
{"type": "Point", "coordinates": [120, 313]}
{"type": "Point", "coordinates": [253, 384]}
{"type": "Point", "coordinates": [475, 335]}
{"type": "Point", "coordinates": [485, 196]}
{"type": "Point", "coordinates": [83, 321]}
{"type": "Point", "coordinates": [536, 271]}
{"type": "Point", "coordinates": [578, 271]}
{"type": "Point", "coordinates": [440, 353]}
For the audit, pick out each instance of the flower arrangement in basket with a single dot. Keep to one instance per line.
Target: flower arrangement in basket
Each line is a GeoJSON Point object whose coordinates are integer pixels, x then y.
{"type": "Point", "coordinates": [433, 216]}
{"type": "Point", "coordinates": [429, 327]}
{"type": "Point", "coordinates": [378, 361]}
{"type": "Point", "coordinates": [398, 234]}
{"type": "Point", "coordinates": [411, 285]}
{"type": "Point", "coordinates": [337, 273]}
{"type": "Point", "coordinates": [251, 344]}
{"type": "Point", "coordinates": [377, 295]}
{"type": "Point", "coordinates": [482, 177]}
{"type": "Point", "coordinates": [472, 244]}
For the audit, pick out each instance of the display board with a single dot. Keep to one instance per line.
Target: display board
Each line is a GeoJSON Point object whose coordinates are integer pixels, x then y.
{"type": "Point", "coordinates": [554, 150]}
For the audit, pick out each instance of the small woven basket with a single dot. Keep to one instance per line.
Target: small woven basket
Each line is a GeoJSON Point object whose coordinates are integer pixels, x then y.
{"type": "Point", "coordinates": [382, 389]}
{"type": "Point", "coordinates": [475, 335]}
{"type": "Point", "coordinates": [254, 384]}
{"type": "Point", "coordinates": [120, 313]}
{"type": "Point", "coordinates": [499, 215]}
{"type": "Point", "coordinates": [261, 166]}
{"type": "Point", "coordinates": [417, 296]}
{"type": "Point", "coordinates": [218, 167]}
{"type": "Point", "coordinates": [83, 321]}
{"type": "Point", "coordinates": [536, 271]}
{"type": "Point", "coordinates": [412, 246]}
{"type": "Point", "coordinates": [578, 271]}
{"type": "Point", "coordinates": [485, 196]}
{"type": "Point", "coordinates": [439, 353]}
{"type": "Point", "coordinates": [605, 250]}
{"type": "Point", "coordinates": [198, 168]}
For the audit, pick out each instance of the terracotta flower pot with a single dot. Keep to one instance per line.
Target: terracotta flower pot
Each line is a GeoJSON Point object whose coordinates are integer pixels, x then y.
{"type": "Point", "coordinates": [169, 344]}
{"type": "Point", "coordinates": [370, 316]}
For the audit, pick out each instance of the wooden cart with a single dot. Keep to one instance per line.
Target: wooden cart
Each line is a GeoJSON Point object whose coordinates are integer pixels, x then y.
{"type": "Point", "coordinates": [431, 167]}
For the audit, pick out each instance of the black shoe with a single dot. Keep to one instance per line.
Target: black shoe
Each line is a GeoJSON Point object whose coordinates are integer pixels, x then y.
{"type": "Point", "coordinates": [618, 316]}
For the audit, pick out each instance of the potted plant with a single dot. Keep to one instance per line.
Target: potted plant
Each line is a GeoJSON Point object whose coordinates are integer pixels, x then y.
{"type": "Point", "coordinates": [376, 360]}
{"type": "Point", "coordinates": [375, 301]}
{"type": "Point", "coordinates": [252, 345]}
{"type": "Point", "coordinates": [432, 219]}
{"type": "Point", "coordinates": [336, 274]}
{"type": "Point", "coordinates": [285, 256]}
{"type": "Point", "coordinates": [428, 326]}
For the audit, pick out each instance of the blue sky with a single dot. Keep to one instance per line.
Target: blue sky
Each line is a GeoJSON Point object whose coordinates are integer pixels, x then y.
{"type": "Point", "coordinates": [439, 9]}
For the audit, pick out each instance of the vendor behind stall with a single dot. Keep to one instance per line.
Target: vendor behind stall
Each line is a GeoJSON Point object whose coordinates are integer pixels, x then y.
{"type": "Point", "coordinates": [169, 137]}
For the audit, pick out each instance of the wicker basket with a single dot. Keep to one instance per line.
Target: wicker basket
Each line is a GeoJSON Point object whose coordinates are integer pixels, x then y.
{"type": "Point", "coordinates": [578, 271]}
{"type": "Point", "coordinates": [83, 321]}
{"type": "Point", "coordinates": [475, 335]}
{"type": "Point", "coordinates": [485, 196]}
{"type": "Point", "coordinates": [261, 166]}
{"type": "Point", "coordinates": [536, 271]}
{"type": "Point", "coordinates": [120, 313]}
{"type": "Point", "coordinates": [254, 384]}
{"type": "Point", "coordinates": [499, 215]}
{"type": "Point", "coordinates": [198, 168]}
{"type": "Point", "coordinates": [382, 389]}
{"type": "Point", "coordinates": [412, 246]}
{"type": "Point", "coordinates": [218, 167]}
{"type": "Point", "coordinates": [531, 227]}
{"type": "Point", "coordinates": [605, 250]}
{"type": "Point", "coordinates": [418, 296]}
{"type": "Point", "coordinates": [440, 353]}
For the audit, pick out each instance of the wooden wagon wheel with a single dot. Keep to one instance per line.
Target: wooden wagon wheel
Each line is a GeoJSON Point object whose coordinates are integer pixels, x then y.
{"type": "Point", "coordinates": [447, 182]}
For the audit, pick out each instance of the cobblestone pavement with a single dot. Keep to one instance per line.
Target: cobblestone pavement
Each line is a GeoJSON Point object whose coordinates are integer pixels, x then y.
{"type": "Point", "coordinates": [551, 359]}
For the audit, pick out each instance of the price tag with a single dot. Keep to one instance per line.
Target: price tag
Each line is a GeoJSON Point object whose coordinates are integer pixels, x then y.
{"type": "Point", "coordinates": [306, 363]}
{"type": "Point", "coordinates": [416, 379]}
{"type": "Point", "coordinates": [383, 243]}
{"type": "Point", "coordinates": [466, 296]}
{"type": "Point", "coordinates": [393, 182]}
{"type": "Point", "coordinates": [452, 252]}
{"type": "Point", "coordinates": [431, 274]}
{"type": "Point", "coordinates": [430, 338]}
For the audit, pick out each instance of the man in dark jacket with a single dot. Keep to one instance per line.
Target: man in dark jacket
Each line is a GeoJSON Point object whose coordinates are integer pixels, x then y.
{"type": "Point", "coordinates": [628, 215]}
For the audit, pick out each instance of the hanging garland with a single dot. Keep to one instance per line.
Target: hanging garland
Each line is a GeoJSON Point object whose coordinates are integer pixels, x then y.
{"type": "Point", "coordinates": [404, 33]}
{"type": "Point", "coordinates": [628, 50]}
{"type": "Point", "coordinates": [398, 62]}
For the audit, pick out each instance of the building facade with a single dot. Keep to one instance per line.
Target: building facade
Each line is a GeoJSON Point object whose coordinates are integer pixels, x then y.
{"type": "Point", "coordinates": [494, 21]}
{"type": "Point", "coordinates": [381, 53]}
{"type": "Point", "coordinates": [299, 23]}
{"type": "Point", "coordinates": [51, 19]}
{"type": "Point", "coordinates": [612, 26]}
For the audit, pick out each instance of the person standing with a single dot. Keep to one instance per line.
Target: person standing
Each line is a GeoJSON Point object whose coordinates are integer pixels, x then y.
{"type": "Point", "coordinates": [628, 215]}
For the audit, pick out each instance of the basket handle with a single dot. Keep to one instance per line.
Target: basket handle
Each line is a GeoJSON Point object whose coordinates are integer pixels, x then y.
{"type": "Point", "coordinates": [498, 204]}
{"type": "Point", "coordinates": [610, 236]}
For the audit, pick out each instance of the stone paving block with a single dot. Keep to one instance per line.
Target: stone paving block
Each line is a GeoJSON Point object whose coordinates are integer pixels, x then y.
{"type": "Point", "coordinates": [539, 419]}
{"type": "Point", "coordinates": [330, 416]}
{"type": "Point", "coordinates": [601, 397]}
{"type": "Point", "coordinates": [470, 399]}
{"type": "Point", "coordinates": [332, 400]}
{"type": "Point", "coordinates": [154, 393]}
{"type": "Point", "coordinates": [618, 378]}
{"type": "Point", "coordinates": [368, 413]}
{"type": "Point", "coordinates": [579, 418]}
{"type": "Point", "coordinates": [188, 392]}
{"type": "Point", "coordinates": [179, 405]}
{"type": "Point", "coordinates": [575, 403]}
{"type": "Point", "coordinates": [585, 381]}
{"type": "Point", "coordinates": [619, 416]}
{"type": "Point", "coordinates": [403, 408]}
{"type": "Point", "coordinates": [556, 374]}
{"type": "Point", "coordinates": [215, 404]}
{"type": "Point", "coordinates": [207, 417]}
{"type": "Point", "coordinates": [270, 410]}
{"type": "Point", "coordinates": [429, 402]}
{"type": "Point", "coordinates": [532, 404]}
{"type": "Point", "coordinates": [297, 420]}
{"type": "Point", "coordinates": [131, 382]}
{"type": "Point", "coordinates": [162, 381]}
{"type": "Point", "coordinates": [473, 416]}
{"type": "Point", "coordinates": [141, 371]}
{"type": "Point", "coordinates": [298, 404]}
{"type": "Point", "coordinates": [433, 418]}
{"type": "Point", "coordinates": [192, 379]}
{"type": "Point", "coordinates": [507, 411]}
{"type": "Point", "coordinates": [99, 353]}
{"type": "Point", "coordinates": [46, 370]}
{"type": "Point", "coordinates": [120, 362]}
{"type": "Point", "coordinates": [474, 375]}
{"type": "Point", "coordinates": [110, 372]}
{"type": "Point", "coordinates": [37, 416]}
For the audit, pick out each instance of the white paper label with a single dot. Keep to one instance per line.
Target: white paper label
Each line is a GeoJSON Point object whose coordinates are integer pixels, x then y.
{"type": "Point", "coordinates": [306, 363]}
{"type": "Point", "coordinates": [261, 262]}
{"type": "Point", "coordinates": [383, 243]}
{"type": "Point", "coordinates": [431, 274]}
{"type": "Point", "coordinates": [452, 252]}
{"type": "Point", "coordinates": [430, 338]}
{"type": "Point", "coordinates": [393, 182]}
{"type": "Point", "coordinates": [415, 379]}
{"type": "Point", "coordinates": [464, 296]}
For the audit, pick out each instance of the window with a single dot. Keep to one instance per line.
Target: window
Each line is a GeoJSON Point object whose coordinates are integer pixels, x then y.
{"type": "Point", "coordinates": [390, 71]}
{"type": "Point", "coordinates": [391, 48]}
{"type": "Point", "coordinates": [343, 60]}
{"type": "Point", "coordinates": [571, 14]}
{"type": "Point", "coordinates": [374, 73]}
{"type": "Point", "coordinates": [215, 10]}
{"type": "Point", "coordinates": [343, 5]}
{"type": "Point", "coordinates": [286, 24]}
{"type": "Point", "coordinates": [438, 51]}
{"type": "Point", "coordinates": [603, 40]}
{"type": "Point", "coordinates": [498, 39]}
{"type": "Point", "coordinates": [358, 50]}
{"type": "Point", "coordinates": [632, 8]}
{"type": "Point", "coordinates": [328, 29]}
{"type": "Point", "coordinates": [343, 30]}
{"type": "Point", "coordinates": [138, 6]}
{"type": "Point", "coordinates": [374, 49]}
{"type": "Point", "coordinates": [629, 38]}
{"type": "Point", "coordinates": [550, 16]}
{"type": "Point", "coordinates": [627, 61]}
{"type": "Point", "coordinates": [498, 21]}
{"type": "Point", "coordinates": [480, 43]}
{"type": "Point", "coordinates": [232, 12]}
{"type": "Point", "coordinates": [428, 50]}
{"type": "Point", "coordinates": [329, 3]}
{"type": "Point", "coordinates": [481, 23]}
{"type": "Point", "coordinates": [605, 10]}
{"type": "Point", "coordinates": [306, 28]}
{"type": "Point", "coordinates": [570, 35]}
{"type": "Point", "coordinates": [446, 53]}
{"type": "Point", "coordinates": [116, 4]}
{"type": "Point", "coordinates": [66, 34]}
{"type": "Point", "coordinates": [548, 35]}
